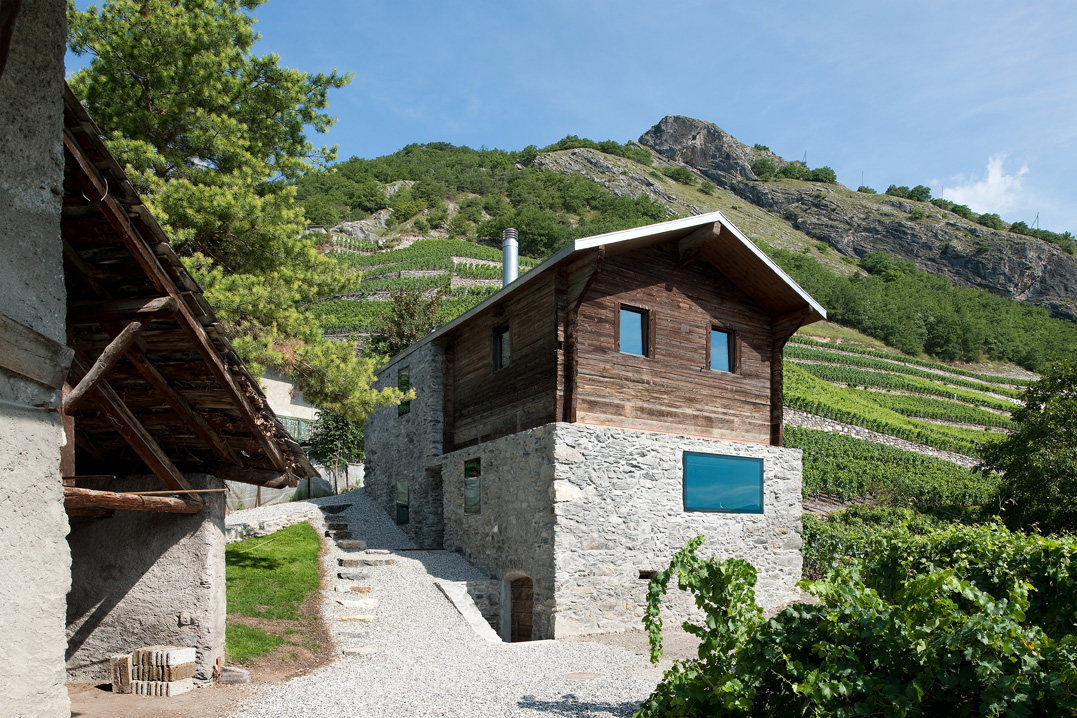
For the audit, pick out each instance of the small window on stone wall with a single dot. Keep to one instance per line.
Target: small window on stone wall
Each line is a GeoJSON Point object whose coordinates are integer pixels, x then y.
{"type": "Point", "coordinates": [726, 484]}
{"type": "Point", "coordinates": [403, 382]}
{"type": "Point", "coordinates": [402, 503]}
{"type": "Point", "coordinates": [472, 486]}
{"type": "Point", "coordinates": [502, 348]}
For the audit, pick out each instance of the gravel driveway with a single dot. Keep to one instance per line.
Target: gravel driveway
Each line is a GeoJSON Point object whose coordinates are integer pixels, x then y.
{"type": "Point", "coordinates": [426, 660]}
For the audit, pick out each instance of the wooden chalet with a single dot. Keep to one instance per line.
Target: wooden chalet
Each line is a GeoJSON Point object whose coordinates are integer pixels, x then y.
{"type": "Point", "coordinates": [154, 383]}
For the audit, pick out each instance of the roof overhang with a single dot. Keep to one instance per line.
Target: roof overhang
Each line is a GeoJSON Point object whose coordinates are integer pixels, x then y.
{"type": "Point", "coordinates": [711, 237]}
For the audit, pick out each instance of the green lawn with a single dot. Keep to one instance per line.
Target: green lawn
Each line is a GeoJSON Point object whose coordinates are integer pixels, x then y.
{"type": "Point", "coordinates": [270, 577]}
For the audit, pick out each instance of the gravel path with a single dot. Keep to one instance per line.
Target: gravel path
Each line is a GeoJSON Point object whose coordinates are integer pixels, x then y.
{"type": "Point", "coordinates": [426, 661]}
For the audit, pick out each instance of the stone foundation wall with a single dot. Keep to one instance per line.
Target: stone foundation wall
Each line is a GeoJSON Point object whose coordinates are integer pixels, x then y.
{"type": "Point", "coordinates": [142, 578]}
{"type": "Point", "coordinates": [487, 598]}
{"type": "Point", "coordinates": [513, 534]}
{"type": "Point", "coordinates": [408, 448]}
{"type": "Point", "coordinates": [619, 507]}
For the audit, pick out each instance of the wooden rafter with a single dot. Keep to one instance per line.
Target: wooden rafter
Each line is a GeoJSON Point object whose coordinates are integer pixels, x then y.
{"type": "Point", "coordinates": [132, 431]}
{"type": "Point", "coordinates": [269, 478]}
{"type": "Point", "coordinates": [140, 309]}
{"type": "Point", "coordinates": [100, 368]}
{"type": "Point", "coordinates": [690, 247]}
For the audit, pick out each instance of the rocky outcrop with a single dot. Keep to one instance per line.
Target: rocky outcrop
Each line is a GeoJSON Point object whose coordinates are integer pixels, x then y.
{"type": "Point", "coordinates": [854, 224]}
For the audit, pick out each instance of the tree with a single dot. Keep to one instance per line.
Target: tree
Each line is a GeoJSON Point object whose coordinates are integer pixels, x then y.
{"type": "Point", "coordinates": [795, 170]}
{"type": "Point", "coordinates": [410, 318]}
{"type": "Point", "coordinates": [1038, 460]}
{"type": "Point", "coordinates": [824, 174]}
{"type": "Point", "coordinates": [920, 193]}
{"type": "Point", "coordinates": [211, 135]}
{"type": "Point", "coordinates": [336, 442]}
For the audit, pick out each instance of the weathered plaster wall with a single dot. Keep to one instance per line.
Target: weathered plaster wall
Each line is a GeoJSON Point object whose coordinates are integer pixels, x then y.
{"type": "Point", "coordinates": [513, 534]}
{"type": "Point", "coordinates": [408, 447]}
{"type": "Point", "coordinates": [142, 578]}
{"type": "Point", "coordinates": [619, 506]}
{"type": "Point", "coordinates": [34, 558]}
{"type": "Point", "coordinates": [285, 399]}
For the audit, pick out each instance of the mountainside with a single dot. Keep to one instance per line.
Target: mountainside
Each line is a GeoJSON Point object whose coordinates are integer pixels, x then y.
{"type": "Point", "coordinates": [854, 223]}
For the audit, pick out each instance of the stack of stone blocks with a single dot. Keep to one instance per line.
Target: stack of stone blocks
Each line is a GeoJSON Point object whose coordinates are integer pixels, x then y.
{"type": "Point", "coordinates": [154, 671]}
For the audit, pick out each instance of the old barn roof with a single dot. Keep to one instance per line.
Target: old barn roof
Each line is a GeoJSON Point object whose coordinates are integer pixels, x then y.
{"type": "Point", "coordinates": [711, 237]}
{"type": "Point", "coordinates": [174, 395]}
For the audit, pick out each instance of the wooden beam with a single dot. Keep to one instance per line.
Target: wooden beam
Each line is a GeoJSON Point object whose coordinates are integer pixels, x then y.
{"type": "Point", "coordinates": [91, 513]}
{"type": "Point", "coordinates": [136, 354]}
{"type": "Point", "coordinates": [139, 309]}
{"type": "Point", "coordinates": [33, 355]}
{"type": "Point", "coordinates": [136, 436]}
{"type": "Point", "coordinates": [76, 498]}
{"type": "Point", "coordinates": [112, 353]}
{"type": "Point", "coordinates": [688, 248]}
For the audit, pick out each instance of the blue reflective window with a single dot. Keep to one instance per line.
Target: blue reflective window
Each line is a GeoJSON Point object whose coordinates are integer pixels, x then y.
{"type": "Point", "coordinates": [633, 332]}
{"type": "Point", "coordinates": [721, 351]}
{"type": "Point", "coordinates": [732, 484]}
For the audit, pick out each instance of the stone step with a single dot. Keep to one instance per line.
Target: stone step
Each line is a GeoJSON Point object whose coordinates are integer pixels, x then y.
{"type": "Point", "coordinates": [335, 526]}
{"type": "Point", "coordinates": [378, 552]}
{"type": "Point", "coordinates": [366, 604]}
{"type": "Point", "coordinates": [363, 618]}
{"type": "Point", "coordinates": [353, 575]}
{"type": "Point", "coordinates": [353, 589]}
{"type": "Point", "coordinates": [351, 633]}
{"type": "Point", "coordinates": [360, 651]}
{"type": "Point", "coordinates": [338, 534]}
{"type": "Point", "coordinates": [360, 562]}
{"type": "Point", "coordinates": [351, 544]}
{"type": "Point", "coordinates": [162, 688]}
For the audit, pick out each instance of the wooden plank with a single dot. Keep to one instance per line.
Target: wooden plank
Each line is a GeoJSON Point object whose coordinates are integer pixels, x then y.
{"type": "Point", "coordinates": [138, 309]}
{"type": "Point", "coordinates": [33, 355]}
{"type": "Point", "coordinates": [96, 374]}
{"type": "Point", "coordinates": [80, 499]}
{"type": "Point", "coordinates": [133, 433]}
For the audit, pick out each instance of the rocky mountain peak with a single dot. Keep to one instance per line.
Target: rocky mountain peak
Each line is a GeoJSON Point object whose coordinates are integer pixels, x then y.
{"type": "Point", "coordinates": [700, 144]}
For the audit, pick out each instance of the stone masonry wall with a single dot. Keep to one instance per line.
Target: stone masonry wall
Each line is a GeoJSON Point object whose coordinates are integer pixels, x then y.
{"type": "Point", "coordinates": [513, 535]}
{"type": "Point", "coordinates": [34, 558]}
{"type": "Point", "coordinates": [142, 578]}
{"type": "Point", "coordinates": [619, 507]}
{"type": "Point", "coordinates": [405, 448]}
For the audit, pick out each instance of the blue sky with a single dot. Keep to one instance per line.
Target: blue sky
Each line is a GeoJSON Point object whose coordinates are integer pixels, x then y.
{"type": "Point", "coordinates": [977, 97]}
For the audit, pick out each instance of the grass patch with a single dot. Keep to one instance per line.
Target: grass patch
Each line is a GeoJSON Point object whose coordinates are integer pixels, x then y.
{"type": "Point", "coordinates": [245, 643]}
{"type": "Point", "coordinates": [271, 576]}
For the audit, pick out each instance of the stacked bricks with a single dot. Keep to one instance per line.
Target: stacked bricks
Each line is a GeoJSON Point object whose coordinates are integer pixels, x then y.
{"type": "Point", "coordinates": [154, 671]}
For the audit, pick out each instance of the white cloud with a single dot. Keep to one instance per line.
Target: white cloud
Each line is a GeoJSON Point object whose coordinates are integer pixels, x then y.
{"type": "Point", "coordinates": [1000, 192]}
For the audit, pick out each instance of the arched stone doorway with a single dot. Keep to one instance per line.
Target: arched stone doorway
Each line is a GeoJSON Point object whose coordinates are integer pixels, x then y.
{"type": "Point", "coordinates": [521, 605]}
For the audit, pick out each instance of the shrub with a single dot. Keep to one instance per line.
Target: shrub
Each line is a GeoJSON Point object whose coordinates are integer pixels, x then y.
{"type": "Point", "coordinates": [680, 173]}
{"type": "Point", "coordinates": [864, 189]}
{"type": "Point", "coordinates": [920, 193]}
{"type": "Point", "coordinates": [763, 169]}
{"type": "Point", "coordinates": [795, 170]}
{"type": "Point", "coordinates": [896, 191]}
{"type": "Point", "coordinates": [528, 155]}
{"type": "Point", "coordinates": [917, 213]}
{"type": "Point", "coordinates": [706, 187]}
{"type": "Point", "coordinates": [761, 148]}
{"type": "Point", "coordinates": [951, 632]}
{"type": "Point", "coordinates": [824, 174]}
{"type": "Point", "coordinates": [991, 220]}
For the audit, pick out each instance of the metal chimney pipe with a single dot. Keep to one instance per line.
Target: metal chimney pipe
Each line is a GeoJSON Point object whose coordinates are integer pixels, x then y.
{"type": "Point", "coordinates": [510, 254]}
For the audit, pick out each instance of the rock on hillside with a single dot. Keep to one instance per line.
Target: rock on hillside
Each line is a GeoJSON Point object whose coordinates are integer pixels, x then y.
{"type": "Point", "coordinates": [855, 224]}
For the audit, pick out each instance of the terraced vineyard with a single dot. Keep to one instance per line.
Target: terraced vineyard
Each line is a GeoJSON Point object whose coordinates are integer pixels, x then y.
{"type": "Point", "coordinates": [466, 272]}
{"type": "Point", "coordinates": [925, 402]}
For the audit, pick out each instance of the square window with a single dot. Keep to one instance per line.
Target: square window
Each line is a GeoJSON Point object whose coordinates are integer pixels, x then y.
{"type": "Point", "coordinates": [725, 484]}
{"type": "Point", "coordinates": [403, 383]}
{"type": "Point", "coordinates": [632, 332]}
{"type": "Point", "coordinates": [472, 486]}
{"type": "Point", "coordinates": [721, 350]}
{"type": "Point", "coordinates": [502, 348]}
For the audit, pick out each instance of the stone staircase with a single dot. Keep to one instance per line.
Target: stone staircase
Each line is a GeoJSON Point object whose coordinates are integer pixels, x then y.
{"type": "Point", "coordinates": [352, 575]}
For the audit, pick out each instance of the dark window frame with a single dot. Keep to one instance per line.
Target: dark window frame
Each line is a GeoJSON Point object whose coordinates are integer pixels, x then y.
{"type": "Point", "coordinates": [500, 361]}
{"type": "Point", "coordinates": [695, 509]}
{"type": "Point", "coordinates": [734, 349]}
{"type": "Point", "coordinates": [648, 329]}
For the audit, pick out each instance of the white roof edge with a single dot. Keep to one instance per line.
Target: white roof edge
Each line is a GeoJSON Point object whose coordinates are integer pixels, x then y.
{"type": "Point", "coordinates": [600, 240]}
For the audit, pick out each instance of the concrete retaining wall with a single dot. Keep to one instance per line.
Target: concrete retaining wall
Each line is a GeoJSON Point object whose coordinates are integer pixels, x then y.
{"type": "Point", "coordinates": [34, 558]}
{"type": "Point", "coordinates": [143, 578]}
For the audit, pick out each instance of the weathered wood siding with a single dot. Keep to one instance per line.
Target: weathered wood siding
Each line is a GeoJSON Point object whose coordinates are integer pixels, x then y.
{"type": "Point", "coordinates": [483, 404]}
{"type": "Point", "coordinates": [674, 389]}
